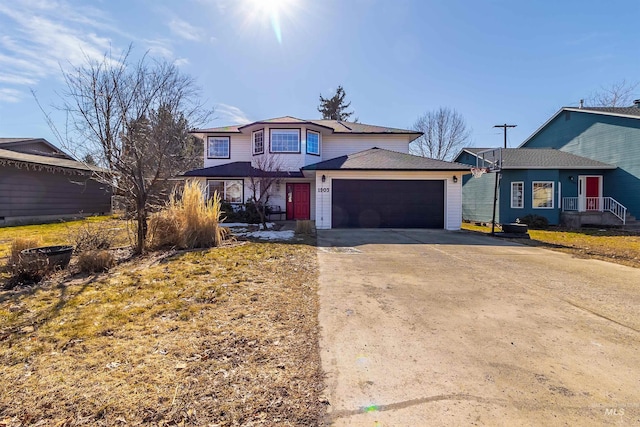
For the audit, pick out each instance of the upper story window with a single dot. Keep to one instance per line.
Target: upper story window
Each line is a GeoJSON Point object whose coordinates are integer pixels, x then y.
{"type": "Point", "coordinates": [517, 194]}
{"type": "Point", "coordinates": [285, 140]}
{"type": "Point", "coordinates": [258, 141]}
{"type": "Point", "coordinates": [543, 194]}
{"type": "Point", "coordinates": [313, 142]}
{"type": "Point", "coordinates": [218, 147]}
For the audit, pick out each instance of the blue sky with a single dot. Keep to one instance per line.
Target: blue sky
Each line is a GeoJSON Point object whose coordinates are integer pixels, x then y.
{"type": "Point", "coordinates": [495, 62]}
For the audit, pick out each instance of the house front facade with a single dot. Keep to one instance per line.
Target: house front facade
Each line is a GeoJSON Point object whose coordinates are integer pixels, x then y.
{"type": "Point", "coordinates": [543, 182]}
{"type": "Point", "coordinates": [606, 134]}
{"type": "Point", "coordinates": [339, 174]}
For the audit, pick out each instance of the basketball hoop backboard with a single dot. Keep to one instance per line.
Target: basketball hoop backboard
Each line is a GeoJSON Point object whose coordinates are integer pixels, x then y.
{"type": "Point", "coordinates": [489, 159]}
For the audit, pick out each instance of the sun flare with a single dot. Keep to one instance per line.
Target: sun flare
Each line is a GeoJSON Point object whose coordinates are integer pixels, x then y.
{"type": "Point", "coordinates": [271, 11]}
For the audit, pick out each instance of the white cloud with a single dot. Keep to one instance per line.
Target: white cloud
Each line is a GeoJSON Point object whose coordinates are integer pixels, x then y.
{"type": "Point", "coordinates": [159, 47]}
{"type": "Point", "coordinates": [41, 36]}
{"type": "Point", "coordinates": [185, 30]}
{"type": "Point", "coordinates": [231, 115]}
{"type": "Point", "coordinates": [10, 95]}
{"type": "Point", "coordinates": [181, 62]}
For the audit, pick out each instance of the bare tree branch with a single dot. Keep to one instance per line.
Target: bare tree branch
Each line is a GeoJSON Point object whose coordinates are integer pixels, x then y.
{"type": "Point", "coordinates": [620, 94]}
{"type": "Point", "coordinates": [134, 119]}
{"type": "Point", "coordinates": [444, 134]}
{"type": "Point", "coordinates": [262, 180]}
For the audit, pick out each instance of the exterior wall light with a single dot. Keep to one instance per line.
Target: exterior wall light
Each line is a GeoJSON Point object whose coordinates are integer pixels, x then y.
{"type": "Point", "coordinates": [324, 178]}
{"type": "Point", "coordinates": [455, 179]}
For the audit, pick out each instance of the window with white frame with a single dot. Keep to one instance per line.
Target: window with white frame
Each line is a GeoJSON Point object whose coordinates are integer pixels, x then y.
{"type": "Point", "coordinates": [285, 140]}
{"type": "Point", "coordinates": [313, 142]}
{"type": "Point", "coordinates": [542, 194]}
{"type": "Point", "coordinates": [230, 190]}
{"type": "Point", "coordinates": [218, 147]}
{"type": "Point", "coordinates": [517, 194]}
{"type": "Point", "coordinates": [258, 141]}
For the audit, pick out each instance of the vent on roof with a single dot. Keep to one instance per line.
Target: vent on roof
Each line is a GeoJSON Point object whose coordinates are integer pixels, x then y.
{"type": "Point", "coordinates": [636, 103]}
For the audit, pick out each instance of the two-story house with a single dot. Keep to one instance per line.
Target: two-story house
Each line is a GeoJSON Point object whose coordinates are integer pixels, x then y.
{"type": "Point", "coordinates": [581, 167]}
{"type": "Point", "coordinates": [340, 174]}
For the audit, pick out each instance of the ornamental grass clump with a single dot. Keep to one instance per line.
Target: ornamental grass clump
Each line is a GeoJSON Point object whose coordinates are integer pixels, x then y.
{"type": "Point", "coordinates": [188, 220]}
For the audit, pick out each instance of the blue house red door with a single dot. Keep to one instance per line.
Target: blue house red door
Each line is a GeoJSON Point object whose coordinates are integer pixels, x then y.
{"type": "Point", "coordinates": [299, 201]}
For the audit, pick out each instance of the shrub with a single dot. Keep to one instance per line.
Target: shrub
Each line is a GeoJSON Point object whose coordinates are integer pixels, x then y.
{"type": "Point", "coordinates": [20, 244]}
{"type": "Point", "coordinates": [91, 237]}
{"type": "Point", "coordinates": [25, 270]}
{"type": "Point", "coordinates": [95, 261]}
{"type": "Point", "coordinates": [246, 212]}
{"type": "Point", "coordinates": [304, 227]}
{"type": "Point", "coordinates": [188, 221]}
{"type": "Point", "coordinates": [534, 221]}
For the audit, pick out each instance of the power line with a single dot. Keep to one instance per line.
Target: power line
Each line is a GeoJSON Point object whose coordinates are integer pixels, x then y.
{"type": "Point", "coordinates": [505, 126]}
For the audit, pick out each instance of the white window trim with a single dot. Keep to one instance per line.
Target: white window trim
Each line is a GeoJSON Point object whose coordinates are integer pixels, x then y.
{"type": "Point", "coordinates": [224, 196]}
{"type": "Point", "coordinates": [319, 142]}
{"type": "Point", "coordinates": [521, 196]}
{"type": "Point", "coordinates": [253, 142]}
{"type": "Point", "coordinates": [280, 130]}
{"type": "Point", "coordinates": [552, 198]}
{"type": "Point", "coordinates": [209, 140]}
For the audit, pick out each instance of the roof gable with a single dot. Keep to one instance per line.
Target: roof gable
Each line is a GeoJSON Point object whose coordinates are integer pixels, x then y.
{"type": "Point", "coordinates": [625, 112]}
{"type": "Point", "coordinates": [35, 146]}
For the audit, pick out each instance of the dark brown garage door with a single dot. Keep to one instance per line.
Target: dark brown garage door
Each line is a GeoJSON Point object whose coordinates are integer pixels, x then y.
{"type": "Point", "coordinates": [387, 203]}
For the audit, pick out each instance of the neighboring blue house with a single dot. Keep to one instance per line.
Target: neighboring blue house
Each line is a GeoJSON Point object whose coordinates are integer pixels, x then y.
{"type": "Point", "coordinates": [533, 182]}
{"type": "Point", "coordinates": [580, 167]}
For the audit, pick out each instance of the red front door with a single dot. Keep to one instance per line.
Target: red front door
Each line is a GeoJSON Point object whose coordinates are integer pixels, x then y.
{"type": "Point", "coordinates": [298, 201]}
{"type": "Point", "coordinates": [593, 193]}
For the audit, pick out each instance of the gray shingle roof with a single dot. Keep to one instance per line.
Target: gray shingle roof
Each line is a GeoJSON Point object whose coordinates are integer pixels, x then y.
{"type": "Point", "coordinates": [380, 159]}
{"type": "Point", "coordinates": [239, 170]}
{"type": "Point", "coordinates": [543, 158]}
{"type": "Point", "coordinates": [8, 155]}
{"type": "Point", "coordinates": [622, 111]}
{"type": "Point", "coordinates": [334, 125]}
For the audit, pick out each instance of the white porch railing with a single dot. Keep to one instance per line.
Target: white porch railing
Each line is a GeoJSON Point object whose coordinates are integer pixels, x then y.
{"type": "Point", "coordinates": [569, 204]}
{"type": "Point", "coordinates": [600, 204]}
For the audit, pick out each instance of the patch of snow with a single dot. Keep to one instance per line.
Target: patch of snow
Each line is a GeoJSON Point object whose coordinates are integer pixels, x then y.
{"type": "Point", "coordinates": [270, 235]}
{"type": "Point", "coordinates": [244, 225]}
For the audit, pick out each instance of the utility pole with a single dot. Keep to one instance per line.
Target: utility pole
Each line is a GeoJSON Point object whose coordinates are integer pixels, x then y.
{"type": "Point", "coordinates": [497, 182]}
{"type": "Point", "coordinates": [505, 126]}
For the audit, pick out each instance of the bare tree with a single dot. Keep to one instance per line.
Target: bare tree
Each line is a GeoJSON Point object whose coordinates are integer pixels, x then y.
{"type": "Point", "coordinates": [263, 177]}
{"type": "Point", "coordinates": [620, 94]}
{"type": "Point", "coordinates": [444, 134]}
{"type": "Point", "coordinates": [133, 119]}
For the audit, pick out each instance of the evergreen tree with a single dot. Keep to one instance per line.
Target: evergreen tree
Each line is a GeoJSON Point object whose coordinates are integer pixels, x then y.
{"type": "Point", "coordinates": [334, 108]}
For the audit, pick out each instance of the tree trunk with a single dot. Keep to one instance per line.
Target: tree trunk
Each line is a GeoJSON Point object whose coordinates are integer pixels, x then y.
{"type": "Point", "coordinates": [142, 227]}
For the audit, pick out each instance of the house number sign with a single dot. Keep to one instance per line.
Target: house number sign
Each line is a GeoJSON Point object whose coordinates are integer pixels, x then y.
{"type": "Point", "coordinates": [323, 189]}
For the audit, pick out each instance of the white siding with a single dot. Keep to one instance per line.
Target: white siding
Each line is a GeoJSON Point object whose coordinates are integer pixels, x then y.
{"type": "Point", "coordinates": [341, 145]}
{"type": "Point", "coordinates": [452, 192]}
{"type": "Point", "coordinates": [239, 150]}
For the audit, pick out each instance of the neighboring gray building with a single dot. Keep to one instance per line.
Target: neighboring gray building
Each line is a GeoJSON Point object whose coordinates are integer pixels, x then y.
{"type": "Point", "coordinates": [39, 182]}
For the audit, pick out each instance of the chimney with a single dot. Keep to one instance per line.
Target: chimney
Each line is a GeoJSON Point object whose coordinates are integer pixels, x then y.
{"type": "Point", "coordinates": [581, 103]}
{"type": "Point", "coordinates": [636, 103]}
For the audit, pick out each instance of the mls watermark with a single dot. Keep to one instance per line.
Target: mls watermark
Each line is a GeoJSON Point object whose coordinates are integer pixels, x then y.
{"type": "Point", "coordinates": [614, 412]}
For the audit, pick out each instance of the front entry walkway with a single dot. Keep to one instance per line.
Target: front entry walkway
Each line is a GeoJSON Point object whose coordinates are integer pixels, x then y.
{"type": "Point", "coordinates": [428, 327]}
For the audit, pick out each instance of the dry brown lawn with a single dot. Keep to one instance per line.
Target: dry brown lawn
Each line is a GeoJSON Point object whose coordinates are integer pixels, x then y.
{"type": "Point", "coordinates": [226, 336]}
{"type": "Point", "coordinates": [619, 246]}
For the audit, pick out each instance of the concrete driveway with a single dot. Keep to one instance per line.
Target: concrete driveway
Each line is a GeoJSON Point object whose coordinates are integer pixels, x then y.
{"type": "Point", "coordinates": [424, 327]}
